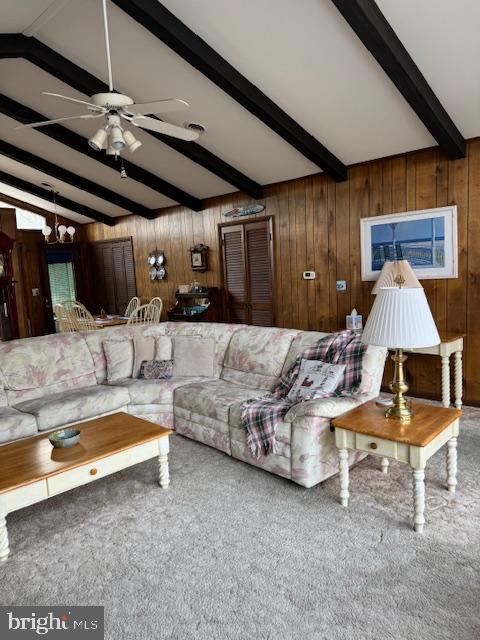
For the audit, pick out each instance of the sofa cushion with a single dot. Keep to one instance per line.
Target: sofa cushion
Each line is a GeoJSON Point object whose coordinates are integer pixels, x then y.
{"type": "Point", "coordinates": [119, 355]}
{"type": "Point", "coordinates": [3, 393]}
{"type": "Point", "coordinates": [214, 399]}
{"type": "Point", "coordinates": [78, 404]}
{"type": "Point", "coordinates": [47, 364]}
{"type": "Point", "coordinates": [155, 391]}
{"type": "Point", "coordinates": [14, 424]}
{"type": "Point", "coordinates": [302, 341]}
{"type": "Point", "coordinates": [143, 349]}
{"type": "Point", "coordinates": [193, 356]}
{"type": "Point", "coordinates": [256, 355]}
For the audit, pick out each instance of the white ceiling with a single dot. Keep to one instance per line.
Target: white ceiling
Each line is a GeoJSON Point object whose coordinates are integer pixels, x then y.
{"type": "Point", "coordinates": [304, 56]}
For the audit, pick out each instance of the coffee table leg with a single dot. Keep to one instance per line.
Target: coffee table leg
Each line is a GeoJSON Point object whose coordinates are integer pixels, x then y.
{"type": "Point", "coordinates": [163, 474]}
{"type": "Point", "coordinates": [385, 463]}
{"type": "Point", "coordinates": [418, 499]}
{"type": "Point", "coordinates": [452, 464]}
{"type": "Point", "coordinates": [344, 495]}
{"type": "Point", "coordinates": [4, 550]}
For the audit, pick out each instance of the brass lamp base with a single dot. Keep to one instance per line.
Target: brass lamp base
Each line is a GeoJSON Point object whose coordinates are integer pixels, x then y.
{"type": "Point", "coordinates": [400, 409]}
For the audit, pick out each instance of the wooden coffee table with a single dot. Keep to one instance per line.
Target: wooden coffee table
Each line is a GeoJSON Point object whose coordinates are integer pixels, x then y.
{"type": "Point", "coordinates": [366, 428]}
{"type": "Point", "coordinates": [32, 470]}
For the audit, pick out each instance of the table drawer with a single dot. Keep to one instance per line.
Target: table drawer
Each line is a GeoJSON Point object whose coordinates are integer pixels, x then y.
{"type": "Point", "coordinates": [100, 468]}
{"type": "Point", "coordinates": [376, 446]}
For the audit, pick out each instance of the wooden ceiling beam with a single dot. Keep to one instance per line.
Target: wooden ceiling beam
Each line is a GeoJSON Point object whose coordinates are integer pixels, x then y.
{"type": "Point", "coordinates": [18, 45]}
{"type": "Point", "coordinates": [373, 29]}
{"type": "Point", "coordinates": [59, 173]}
{"type": "Point", "coordinates": [40, 192]}
{"type": "Point", "coordinates": [165, 26]}
{"type": "Point", "coordinates": [25, 115]}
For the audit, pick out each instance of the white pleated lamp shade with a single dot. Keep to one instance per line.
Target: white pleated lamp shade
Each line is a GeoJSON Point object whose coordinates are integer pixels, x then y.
{"type": "Point", "coordinates": [390, 270]}
{"type": "Point", "coordinates": [401, 319]}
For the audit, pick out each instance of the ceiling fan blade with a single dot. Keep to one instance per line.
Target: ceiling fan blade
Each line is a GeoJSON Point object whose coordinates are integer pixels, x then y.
{"type": "Point", "coordinates": [90, 105]}
{"type": "Point", "coordinates": [160, 106]}
{"type": "Point", "coordinates": [32, 125]}
{"type": "Point", "coordinates": [164, 127]}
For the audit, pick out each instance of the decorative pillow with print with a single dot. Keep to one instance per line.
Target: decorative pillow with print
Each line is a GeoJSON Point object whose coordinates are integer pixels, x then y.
{"type": "Point", "coordinates": [316, 379]}
{"type": "Point", "coordinates": [156, 370]}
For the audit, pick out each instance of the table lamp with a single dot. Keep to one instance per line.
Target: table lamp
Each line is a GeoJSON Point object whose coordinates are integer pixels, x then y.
{"type": "Point", "coordinates": [400, 319]}
{"type": "Point", "coordinates": [390, 270]}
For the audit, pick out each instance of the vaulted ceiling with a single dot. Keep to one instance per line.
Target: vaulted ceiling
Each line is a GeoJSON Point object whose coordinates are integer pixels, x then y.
{"type": "Point", "coordinates": [307, 92]}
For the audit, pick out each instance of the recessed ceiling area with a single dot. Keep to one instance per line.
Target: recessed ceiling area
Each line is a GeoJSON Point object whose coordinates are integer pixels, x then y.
{"type": "Point", "coordinates": [308, 61]}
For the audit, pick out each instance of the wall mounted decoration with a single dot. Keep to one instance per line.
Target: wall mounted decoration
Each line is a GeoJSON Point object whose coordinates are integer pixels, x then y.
{"type": "Point", "coordinates": [156, 262]}
{"type": "Point", "coordinates": [427, 239]}
{"type": "Point", "coordinates": [199, 257]}
{"type": "Point", "coordinates": [246, 210]}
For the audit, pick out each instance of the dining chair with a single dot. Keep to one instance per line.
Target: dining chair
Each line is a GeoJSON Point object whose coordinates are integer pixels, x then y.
{"type": "Point", "coordinates": [63, 318]}
{"type": "Point", "coordinates": [158, 303]}
{"type": "Point", "coordinates": [144, 314]}
{"type": "Point", "coordinates": [82, 318]}
{"type": "Point", "coordinates": [131, 306]}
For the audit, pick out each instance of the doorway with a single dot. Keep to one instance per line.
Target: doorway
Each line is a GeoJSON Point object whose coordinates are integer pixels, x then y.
{"type": "Point", "coordinates": [247, 269]}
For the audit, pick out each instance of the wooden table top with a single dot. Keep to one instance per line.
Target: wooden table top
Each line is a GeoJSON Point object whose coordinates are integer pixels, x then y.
{"type": "Point", "coordinates": [110, 322]}
{"type": "Point", "coordinates": [426, 423]}
{"type": "Point", "coordinates": [34, 459]}
{"type": "Point", "coordinates": [446, 336]}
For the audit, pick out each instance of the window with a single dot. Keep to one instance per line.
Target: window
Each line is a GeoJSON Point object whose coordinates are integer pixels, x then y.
{"type": "Point", "coordinates": [62, 282]}
{"type": "Point", "coordinates": [26, 219]}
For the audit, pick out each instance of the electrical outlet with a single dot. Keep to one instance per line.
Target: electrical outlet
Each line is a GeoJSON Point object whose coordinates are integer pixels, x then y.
{"type": "Point", "coordinates": [341, 285]}
{"type": "Point", "coordinates": [35, 292]}
{"type": "Point", "coordinates": [309, 275]}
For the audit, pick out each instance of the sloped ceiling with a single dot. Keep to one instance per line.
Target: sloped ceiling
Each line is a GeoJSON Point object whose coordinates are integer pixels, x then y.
{"type": "Point", "coordinates": [304, 56]}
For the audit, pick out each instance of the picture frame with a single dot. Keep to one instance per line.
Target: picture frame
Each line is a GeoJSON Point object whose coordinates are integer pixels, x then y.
{"type": "Point", "coordinates": [199, 257]}
{"type": "Point", "coordinates": [426, 238]}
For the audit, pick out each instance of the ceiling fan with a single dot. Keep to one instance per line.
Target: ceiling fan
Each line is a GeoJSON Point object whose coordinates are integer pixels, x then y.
{"type": "Point", "coordinates": [115, 107]}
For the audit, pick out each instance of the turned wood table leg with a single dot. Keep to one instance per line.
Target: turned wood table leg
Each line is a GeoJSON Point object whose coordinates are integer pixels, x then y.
{"type": "Point", "coordinates": [445, 381]}
{"type": "Point", "coordinates": [458, 379]}
{"type": "Point", "coordinates": [344, 495]}
{"type": "Point", "coordinates": [163, 473]}
{"type": "Point", "coordinates": [418, 499]}
{"type": "Point", "coordinates": [4, 550]}
{"type": "Point", "coordinates": [385, 464]}
{"type": "Point", "coordinates": [452, 464]}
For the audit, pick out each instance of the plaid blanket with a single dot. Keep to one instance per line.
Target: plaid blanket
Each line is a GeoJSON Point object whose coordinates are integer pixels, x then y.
{"type": "Point", "coordinates": [260, 417]}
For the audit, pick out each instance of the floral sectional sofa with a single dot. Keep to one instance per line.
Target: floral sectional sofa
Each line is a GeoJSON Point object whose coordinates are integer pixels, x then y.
{"type": "Point", "coordinates": [52, 381]}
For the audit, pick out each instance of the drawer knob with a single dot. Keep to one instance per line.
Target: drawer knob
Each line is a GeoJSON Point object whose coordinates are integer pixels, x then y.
{"type": "Point", "coordinates": [373, 445]}
{"type": "Point", "coordinates": [93, 472]}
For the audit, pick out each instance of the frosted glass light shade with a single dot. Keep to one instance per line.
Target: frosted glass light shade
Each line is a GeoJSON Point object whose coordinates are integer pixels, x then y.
{"type": "Point", "coordinates": [390, 270]}
{"type": "Point", "coordinates": [401, 319]}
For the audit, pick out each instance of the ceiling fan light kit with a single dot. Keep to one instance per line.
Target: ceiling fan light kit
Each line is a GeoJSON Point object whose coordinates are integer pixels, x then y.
{"type": "Point", "coordinates": [116, 106]}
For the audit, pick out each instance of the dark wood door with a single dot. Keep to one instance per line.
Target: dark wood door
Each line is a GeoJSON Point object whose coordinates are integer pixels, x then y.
{"type": "Point", "coordinates": [247, 272]}
{"type": "Point", "coordinates": [114, 275]}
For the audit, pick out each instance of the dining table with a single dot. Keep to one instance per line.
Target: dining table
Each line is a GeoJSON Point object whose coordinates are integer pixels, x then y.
{"type": "Point", "coordinates": [103, 321]}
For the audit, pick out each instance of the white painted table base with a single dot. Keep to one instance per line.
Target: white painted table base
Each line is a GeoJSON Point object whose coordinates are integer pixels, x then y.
{"type": "Point", "coordinates": [415, 457]}
{"type": "Point", "coordinates": [72, 478]}
{"type": "Point", "coordinates": [444, 350]}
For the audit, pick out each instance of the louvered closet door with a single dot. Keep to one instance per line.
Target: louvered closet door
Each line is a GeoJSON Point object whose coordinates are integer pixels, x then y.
{"type": "Point", "coordinates": [114, 275]}
{"type": "Point", "coordinates": [259, 273]}
{"type": "Point", "coordinates": [234, 275]}
{"type": "Point", "coordinates": [247, 272]}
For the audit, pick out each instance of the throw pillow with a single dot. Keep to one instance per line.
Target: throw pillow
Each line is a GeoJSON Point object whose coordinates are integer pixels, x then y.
{"type": "Point", "coordinates": [193, 356]}
{"type": "Point", "coordinates": [144, 349]}
{"type": "Point", "coordinates": [155, 370]}
{"type": "Point", "coordinates": [316, 379]}
{"type": "Point", "coordinates": [164, 348]}
{"type": "Point", "coordinates": [119, 356]}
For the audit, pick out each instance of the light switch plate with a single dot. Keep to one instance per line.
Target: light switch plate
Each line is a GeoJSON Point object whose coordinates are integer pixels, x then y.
{"type": "Point", "coordinates": [309, 275]}
{"type": "Point", "coordinates": [341, 285]}
{"type": "Point", "coordinates": [35, 292]}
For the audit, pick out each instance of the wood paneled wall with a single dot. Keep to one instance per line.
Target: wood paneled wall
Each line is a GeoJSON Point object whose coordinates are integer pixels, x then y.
{"type": "Point", "coordinates": [316, 227]}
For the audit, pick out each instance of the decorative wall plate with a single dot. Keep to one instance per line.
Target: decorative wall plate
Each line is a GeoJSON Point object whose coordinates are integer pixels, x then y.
{"type": "Point", "coordinates": [246, 210]}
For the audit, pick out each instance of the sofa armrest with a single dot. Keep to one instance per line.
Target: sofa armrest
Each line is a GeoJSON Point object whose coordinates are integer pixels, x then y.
{"type": "Point", "coordinates": [326, 407]}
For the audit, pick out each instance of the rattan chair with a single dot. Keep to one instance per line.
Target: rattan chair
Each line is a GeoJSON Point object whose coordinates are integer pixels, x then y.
{"type": "Point", "coordinates": [63, 318]}
{"type": "Point", "coordinates": [144, 314]}
{"type": "Point", "coordinates": [82, 318]}
{"type": "Point", "coordinates": [131, 306]}
{"type": "Point", "coordinates": [158, 303]}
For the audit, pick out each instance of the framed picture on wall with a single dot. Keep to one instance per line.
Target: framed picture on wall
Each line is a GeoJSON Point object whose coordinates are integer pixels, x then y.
{"type": "Point", "coordinates": [427, 239]}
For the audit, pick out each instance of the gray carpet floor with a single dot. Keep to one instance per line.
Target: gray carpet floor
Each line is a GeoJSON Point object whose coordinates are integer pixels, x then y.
{"type": "Point", "coordinates": [232, 552]}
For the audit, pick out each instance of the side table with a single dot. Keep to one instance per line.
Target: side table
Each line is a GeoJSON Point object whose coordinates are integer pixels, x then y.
{"type": "Point", "coordinates": [366, 428]}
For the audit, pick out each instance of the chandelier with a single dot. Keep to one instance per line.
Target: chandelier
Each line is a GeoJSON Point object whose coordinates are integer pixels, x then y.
{"type": "Point", "coordinates": [61, 233]}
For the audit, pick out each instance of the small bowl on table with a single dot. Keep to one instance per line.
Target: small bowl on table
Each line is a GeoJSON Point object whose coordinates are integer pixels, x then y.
{"type": "Point", "coordinates": [64, 438]}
